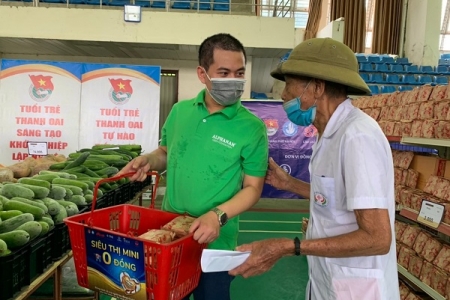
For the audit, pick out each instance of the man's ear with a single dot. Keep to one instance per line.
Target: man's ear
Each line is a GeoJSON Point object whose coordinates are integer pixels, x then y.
{"type": "Point", "coordinates": [319, 88]}
{"type": "Point", "coordinates": [201, 74]}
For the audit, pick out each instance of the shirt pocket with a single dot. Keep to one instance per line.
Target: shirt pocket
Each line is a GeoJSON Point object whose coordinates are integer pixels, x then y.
{"type": "Point", "coordinates": [356, 284]}
{"type": "Point", "coordinates": [323, 192]}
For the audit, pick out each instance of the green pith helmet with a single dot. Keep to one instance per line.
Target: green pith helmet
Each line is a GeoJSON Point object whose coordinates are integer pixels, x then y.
{"type": "Point", "coordinates": [326, 59]}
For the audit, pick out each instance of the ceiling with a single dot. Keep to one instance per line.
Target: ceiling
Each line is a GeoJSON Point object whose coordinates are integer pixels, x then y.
{"type": "Point", "coordinates": [29, 46]}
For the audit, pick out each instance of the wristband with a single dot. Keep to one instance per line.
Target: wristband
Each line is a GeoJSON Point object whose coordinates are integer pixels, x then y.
{"type": "Point", "coordinates": [297, 246]}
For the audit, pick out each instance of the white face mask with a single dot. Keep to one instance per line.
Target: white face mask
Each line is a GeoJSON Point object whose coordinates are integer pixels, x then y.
{"type": "Point", "coordinates": [226, 91]}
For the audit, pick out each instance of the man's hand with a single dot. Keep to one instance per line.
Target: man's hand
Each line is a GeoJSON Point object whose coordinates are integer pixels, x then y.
{"type": "Point", "coordinates": [140, 165]}
{"type": "Point", "coordinates": [206, 228]}
{"type": "Point", "coordinates": [276, 176]}
{"type": "Point", "coordinates": [264, 254]}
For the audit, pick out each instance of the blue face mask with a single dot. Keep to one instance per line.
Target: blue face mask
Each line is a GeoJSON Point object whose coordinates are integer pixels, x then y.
{"type": "Point", "coordinates": [298, 116]}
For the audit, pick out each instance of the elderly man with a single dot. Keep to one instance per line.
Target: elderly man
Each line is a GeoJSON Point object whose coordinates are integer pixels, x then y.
{"type": "Point", "coordinates": [350, 240]}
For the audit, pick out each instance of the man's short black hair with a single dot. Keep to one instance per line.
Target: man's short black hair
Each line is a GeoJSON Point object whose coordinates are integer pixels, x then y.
{"type": "Point", "coordinates": [223, 41]}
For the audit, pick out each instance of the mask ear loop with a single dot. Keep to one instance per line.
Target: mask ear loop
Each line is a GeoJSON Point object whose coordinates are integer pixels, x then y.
{"type": "Point", "coordinates": [298, 98]}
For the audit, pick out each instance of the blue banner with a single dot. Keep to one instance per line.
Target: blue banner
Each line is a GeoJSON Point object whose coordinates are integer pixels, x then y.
{"type": "Point", "coordinates": [290, 145]}
{"type": "Point", "coordinates": [115, 265]}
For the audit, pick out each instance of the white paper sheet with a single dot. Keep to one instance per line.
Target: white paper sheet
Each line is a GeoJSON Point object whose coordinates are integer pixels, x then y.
{"type": "Point", "coordinates": [221, 260]}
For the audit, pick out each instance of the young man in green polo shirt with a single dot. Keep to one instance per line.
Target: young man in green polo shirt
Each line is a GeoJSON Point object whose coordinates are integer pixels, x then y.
{"type": "Point", "coordinates": [215, 152]}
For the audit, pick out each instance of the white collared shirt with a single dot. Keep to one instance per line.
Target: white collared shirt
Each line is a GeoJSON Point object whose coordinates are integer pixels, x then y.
{"type": "Point", "coordinates": [351, 168]}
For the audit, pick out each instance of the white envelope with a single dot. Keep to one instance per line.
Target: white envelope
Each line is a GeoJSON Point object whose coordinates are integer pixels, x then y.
{"type": "Point", "coordinates": [222, 260]}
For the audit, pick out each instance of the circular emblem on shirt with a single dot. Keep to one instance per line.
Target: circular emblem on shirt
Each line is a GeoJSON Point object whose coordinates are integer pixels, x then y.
{"type": "Point", "coordinates": [320, 199]}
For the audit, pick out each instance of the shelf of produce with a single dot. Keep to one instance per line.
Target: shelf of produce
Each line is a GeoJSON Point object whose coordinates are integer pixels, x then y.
{"type": "Point", "coordinates": [393, 138]}
{"type": "Point", "coordinates": [412, 215]}
{"type": "Point", "coordinates": [419, 284]}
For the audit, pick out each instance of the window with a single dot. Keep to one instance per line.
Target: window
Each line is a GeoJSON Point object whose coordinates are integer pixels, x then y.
{"type": "Point", "coordinates": [297, 9]}
{"type": "Point", "coordinates": [370, 13]}
{"type": "Point", "coordinates": [444, 41]}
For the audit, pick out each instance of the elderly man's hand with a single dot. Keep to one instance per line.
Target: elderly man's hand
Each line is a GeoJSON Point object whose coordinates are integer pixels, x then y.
{"type": "Point", "coordinates": [264, 255]}
{"type": "Point", "coordinates": [276, 176]}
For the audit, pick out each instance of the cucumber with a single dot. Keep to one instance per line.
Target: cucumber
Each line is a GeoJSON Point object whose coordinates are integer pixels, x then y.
{"type": "Point", "coordinates": [5, 253]}
{"type": "Point", "coordinates": [109, 171]}
{"type": "Point", "coordinates": [35, 182]}
{"type": "Point", "coordinates": [90, 184]}
{"type": "Point", "coordinates": [78, 161]}
{"type": "Point", "coordinates": [76, 170]}
{"type": "Point", "coordinates": [80, 175]}
{"type": "Point", "coordinates": [8, 214]}
{"type": "Point", "coordinates": [105, 146]}
{"type": "Point", "coordinates": [15, 239]}
{"type": "Point", "coordinates": [71, 182]}
{"type": "Point", "coordinates": [33, 228]}
{"type": "Point", "coordinates": [93, 165]}
{"type": "Point", "coordinates": [59, 218]}
{"type": "Point", "coordinates": [57, 192]}
{"type": "Point", "coordinates": [91, 173]}
{"type": "Point", "coordinates": [3, 248]}
{"type": "Point", "coordinates": [52, 205]}
{"type": "Point", "coordinates": [58, 166]}
{"type": "Point", "coordinates": [131, 147]}
{"type": "Point", "coordinates": [60, 174]}
{"type": "Point", "coordinates": [3, 200]}
{"type": "Point", "coordinates": [45, 228]}
{"type": "Point", "coordinates": [71, 208]}
{"type": "Point", "coordinates": [48, 177]}
{"type": "Point", "coordinates": [74, 189]}
{"type": "Point", "coordinates": [32, 202]}
{"type": "Point", "coordinates": [15, 190]}
{"type": "Point", "coordinates": [119, 163]}
{"type": "Point", "coordinates": [69, 194]}
{"type": "Point", "coordinates": [14, 222]}
{"type": "Point", "coordinates": [78, 200]}
{"type": "Point", "coordinates": [89, 198]}
{"type": "Point", "coordinates": [49, 221]}
{"type": "Point", "coordinates": [39, 191]}
{"type": "Point", "coordinates": [132, 154]}
{"type": "Point", "coordinates": [114, 152]}
{"type": "Point", "coordinates": [108, 159]}
{"type": "Point", "coordinates": [37, 212]}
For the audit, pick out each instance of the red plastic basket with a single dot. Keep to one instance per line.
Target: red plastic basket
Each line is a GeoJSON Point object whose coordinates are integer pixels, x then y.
{"type": "Point", "coordinates": [110, 258]}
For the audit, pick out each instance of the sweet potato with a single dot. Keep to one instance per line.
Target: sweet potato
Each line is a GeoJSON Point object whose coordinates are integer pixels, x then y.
{"type": "Point", "coordinates": [6, 175]}
{"type": "Point", "coordinates": [21, 169]}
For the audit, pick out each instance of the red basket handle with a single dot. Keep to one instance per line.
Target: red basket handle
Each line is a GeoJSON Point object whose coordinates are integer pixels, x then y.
{"type": "Point", "coordinates": [115, 178]}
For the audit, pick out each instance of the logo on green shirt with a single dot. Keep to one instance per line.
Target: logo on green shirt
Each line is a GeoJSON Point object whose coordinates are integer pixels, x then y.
{"type": "Point", "coordinates": [223, 141]}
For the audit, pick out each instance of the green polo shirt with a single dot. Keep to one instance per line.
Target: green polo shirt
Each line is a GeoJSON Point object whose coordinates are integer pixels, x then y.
{"type": "Point", "coordinates": [207, 157]}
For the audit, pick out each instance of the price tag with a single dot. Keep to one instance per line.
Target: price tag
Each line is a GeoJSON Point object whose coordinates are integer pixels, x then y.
{"type": "Point", "coordinates": [37, 148]}
{"type": "Point", "coordinates": [431, 214]}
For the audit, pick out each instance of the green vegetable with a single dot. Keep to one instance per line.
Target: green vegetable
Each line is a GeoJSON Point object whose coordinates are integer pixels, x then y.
{"type": "Point", "coordinates": [33, 228]}
{"type": "Point", "coordinates": [15, 239]}
{"type": "Point", "coordinates": [78, 161]}
{"type": "Point", "coordinates": [16, 190]}
{"type": "Point", "coordinates": [37, 212]}
{"type": "Point", "coordinates": [14, 222]}
{"type": "Point", "coordinates": [39, 191]}
{"type": "Point", "coordinates": [35, 182]}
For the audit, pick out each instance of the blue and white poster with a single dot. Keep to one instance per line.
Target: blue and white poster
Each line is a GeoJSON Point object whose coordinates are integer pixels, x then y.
{"type": "Point", "coordinates": [40, 103]}
{"type": "Point", "coordinates": [115, 265]}
{"type": "Point", "coordinates": [290, 145]}
{"type": "Point", "coordinates": [120, 105]}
